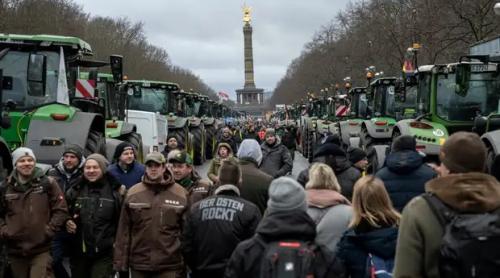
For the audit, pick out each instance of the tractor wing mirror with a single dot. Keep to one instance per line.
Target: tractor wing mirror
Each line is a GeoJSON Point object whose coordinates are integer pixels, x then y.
{"type": "Point", "coordinates": [116, 63]}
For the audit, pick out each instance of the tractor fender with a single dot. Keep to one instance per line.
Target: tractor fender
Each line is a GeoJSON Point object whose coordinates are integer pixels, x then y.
{"type": "Point", "coordinates": [111, 144]}
{"type": "Point", "coordinates": [492, 139]}
{"type": "Point", "coordinates": [372, 130]}
{"type": "Point", "coordinates": [176, 122]}
{"type": "Point", "coordinates": [380, 152]}
{"type": "Point", "coordinates": [403, 126]}
{"type": "Point", "coordinates": [128, 128]}
{"type": "Point", "coordinates": [63, 133]}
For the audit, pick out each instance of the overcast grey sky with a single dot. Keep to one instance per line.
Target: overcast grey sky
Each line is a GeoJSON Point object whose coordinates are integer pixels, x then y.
{"type": "Point", "coordinates": [206, 36]}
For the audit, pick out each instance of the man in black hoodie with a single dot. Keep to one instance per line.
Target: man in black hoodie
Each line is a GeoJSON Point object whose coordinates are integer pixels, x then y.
{"type": "Point", "coordinates": [217, 224]}
{"type": "Point", "coordinates": [405, 172]}
{"type": "Point", "coordinates": [286, 219]}
{"type": "Point", "coordinates": [331, 154]}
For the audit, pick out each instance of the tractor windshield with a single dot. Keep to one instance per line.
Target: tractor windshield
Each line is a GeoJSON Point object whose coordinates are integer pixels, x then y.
{"type": "Point", "coordinates": [482, 97]}
{"type": "Point", "coordinates": [384, 102]}
{"type": "Point", "coordinates": [149, 99]}
{"type": "Point", "coordinates": [115, 101]}
{"type": "Point", "coordinates": [359, 105]}
{"type": "Point", "coordinates": [15, 71]}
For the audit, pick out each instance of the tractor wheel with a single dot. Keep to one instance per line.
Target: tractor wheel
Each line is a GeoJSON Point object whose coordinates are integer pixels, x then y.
{"type": "Point", "coordinates": [305, 146]}
{"type": "Point", "coordinates": [366, 142]}
{"type": "Point", "coordinates": [210, 142]}
{"type": "Point", "coordinates": [493, 163]}
{"type": "Point", "coordinates": [135, 139]}
{"type": "Point", "coordinates": [96, 143]}
{"type": "Point", "coordinates": [198, 143]}
{"type": "Point", "coordinates": [310, 145]}
{"type": "Point", "coordinates": [180, 134]}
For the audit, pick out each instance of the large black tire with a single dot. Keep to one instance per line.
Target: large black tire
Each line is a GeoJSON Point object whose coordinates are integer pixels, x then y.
{"type": "Point", "coordinates": [493, 163]}
{"type": "Point", "coordinates": [136, 139]}
{"type": "Point", "coordinates": [305, 146]}
{"type": "Point", "coordinates": [96, 143]}
{"type": "Point", "coordinates": [311, 140]}
{"type": "Point", "coordinates": [210, 142]}
{"type": "Point", "coordinates": [180, 134]}
{"type": "Point", "coordinates": [199, 145]}
{"type": "Point", "coordinates": [366, 142]}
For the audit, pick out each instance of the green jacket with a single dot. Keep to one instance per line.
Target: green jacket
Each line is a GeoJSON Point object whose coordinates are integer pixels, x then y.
{"type": "Point", "coordinates": [420, 233]}
{"type": "Point", "coordinates": [213, 169]}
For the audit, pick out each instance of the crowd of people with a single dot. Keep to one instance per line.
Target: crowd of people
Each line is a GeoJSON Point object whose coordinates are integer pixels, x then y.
{"type": "Point", "coordinates": [249, 217]}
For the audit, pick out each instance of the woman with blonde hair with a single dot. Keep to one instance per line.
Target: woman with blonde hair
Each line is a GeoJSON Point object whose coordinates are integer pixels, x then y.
{"type": "Point", "coordinates": [326, 206]}
{"type": "Point", "coordinates": [370, 243]}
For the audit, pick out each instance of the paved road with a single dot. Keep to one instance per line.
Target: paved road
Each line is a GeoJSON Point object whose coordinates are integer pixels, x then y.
{"type": "Point", "coordinates": [299, 164]}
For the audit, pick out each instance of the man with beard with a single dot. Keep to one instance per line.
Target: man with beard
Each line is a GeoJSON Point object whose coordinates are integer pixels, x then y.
{"type": "Point", "coordinates": [277, 160]}
{"type": "Point", "coordinates": [67, 173]}
{"type": "Point", "coordinates": [32, 210]}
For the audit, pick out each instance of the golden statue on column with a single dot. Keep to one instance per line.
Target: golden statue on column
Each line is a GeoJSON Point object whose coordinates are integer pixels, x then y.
{"type": "Point", "coordinates": [246, 14]}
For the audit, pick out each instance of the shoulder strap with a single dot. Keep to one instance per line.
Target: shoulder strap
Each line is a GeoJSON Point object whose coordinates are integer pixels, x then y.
{"type": "Point", "coordinates": [443, 213]}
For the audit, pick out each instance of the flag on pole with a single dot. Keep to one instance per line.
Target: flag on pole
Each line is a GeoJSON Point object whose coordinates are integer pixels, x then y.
{"type": "Point", "coordinates": [223, 96]}
{"type": "Point", "coordinates": [62, 83]}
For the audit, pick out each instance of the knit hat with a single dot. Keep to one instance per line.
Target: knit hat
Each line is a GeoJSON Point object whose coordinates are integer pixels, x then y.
{"type": "Point", "coordinates": [121, 148]}
{"type": "Point", "coordinates": [334, 138]}
{"type": "Point", "coordinates": [329, 149]}
{"type": "Point", "coordinates": [270, 132]}
{"type": "Point", "coordinates": [155, 157]}
{"type": "Point", "coordinates": [74, 149]}
{"type": "Point", "coordinates": [21, 152]}
{"type": "Point", "coordinates": [464, 152]}
{"type": "Point", "coordinates": [404, 143]}
{"type": "Point", "coordinates": [101, 160]}
{"type": "Point", "coordinates": [356, 155]}
{"type": "Point", "coordinates": [286, 194]}
{"type": "Point", "coordinates": [229, 172]}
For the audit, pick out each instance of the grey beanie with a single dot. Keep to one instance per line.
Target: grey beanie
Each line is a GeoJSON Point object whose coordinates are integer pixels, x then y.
{"type": "Point", "coordinates": [286, 194]}
{"type": "Point", "coordinates": [21, 152]}
{"type": "Point", "coordinates": [101, 161]}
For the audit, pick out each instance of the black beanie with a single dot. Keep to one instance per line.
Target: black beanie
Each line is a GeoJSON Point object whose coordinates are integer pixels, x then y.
{"type": "Point", "coordinates": [74, 149]}
{"type": "Point", "coordinates": [404, 143]}
{"type": "Point", "coordinates": [329, 149]}
{"type": "Point", "coordinates": [356, 155]}
{"type": "Point", "coordinates": [120, 148]}
{"type": "Point", "coordinates": [334, 139]}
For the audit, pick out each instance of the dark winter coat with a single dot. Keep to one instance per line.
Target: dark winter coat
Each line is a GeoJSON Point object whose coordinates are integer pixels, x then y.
{"type": "Point", "coordinates": [130, 177]}
{"type": "Point", "coordinates": [251, 135]}
{"type": "Point", "coordinates": [281, 225]}
{"type": "Point", "coordinates": [95, 208]}
{"type": "Point", "coordinates": [276, 159]}
{"type": "Point", "coordinates": [31, 213]}
{"type": "Point", "coordinates": [355, 245]}
{"type": "Point", "coordinates": [404, 176]}
{"type": "Point", "coordinates": [214, 228]}
{"type": "Point", "coordinates": [255, 185]}
{"type": "Point", "coordinates": [64, 179]}
{"type": "Point", "coordinates": [346, 174]}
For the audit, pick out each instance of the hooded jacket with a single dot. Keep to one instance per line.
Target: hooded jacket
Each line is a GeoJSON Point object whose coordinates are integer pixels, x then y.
{"type": "Point", "coordinates": [95, 208]}
{"type": "Point", "coordinates": [404, 177]}
{"type": "Point", "coordinates": [231, 141]}
{"type": "Point", "coordinates": [214, 227]}
{"type": "Point", "coordinates": [213, 169]}
{"type": "Point", "coordinates": [346, 174]}
{"type": "Point", "coordinates": [331, 212]}
{"type": "Point", "coordinates": [354, 247]}
{"type": "Point", "coordinates": [129, 177]}
{"type": "Point", "coordinates": [276, 159]}
{"type": "Point", "coordinates": [31, 213]}
{"type": "Point", "coordinates": [149, 231]}
{"type": "Point", "coordinates": [280, 225]}
{"type": "Point", "coordinates": [420, 233]}
{"type": "Point", "coordinates": [64, 179]}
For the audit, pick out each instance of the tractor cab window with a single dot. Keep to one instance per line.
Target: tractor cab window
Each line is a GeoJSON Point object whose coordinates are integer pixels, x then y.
{"type": "Point", "coordinates": [359, 105]}
{"type": "Point", "coordinates": [149, 99]}
{"type": "Point", "coordinates": [15, 71]}
{"type": "Point", "coordinates": [482, 97]}
{"type": "Point", "coordinates": [384, 101]}
{"type": "Point", "coordinates": [424, 93]}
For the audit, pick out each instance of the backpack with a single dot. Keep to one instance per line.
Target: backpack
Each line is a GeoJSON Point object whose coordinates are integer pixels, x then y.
{"type": "Point", "coordinates": [288, 259]}
{"type": "Point", "coordinates": [469, 246]}
{"type": "Point", "coordinates": [380, 268]}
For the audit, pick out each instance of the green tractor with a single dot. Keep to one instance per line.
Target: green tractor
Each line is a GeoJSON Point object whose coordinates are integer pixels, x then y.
{"type": "Point", "coordinates": [195, 113]}
{"type": "Point", "coordinates": [461, 96]}
{"type": "Point", "coordinates": [111, 101]}
{"type": "Point", "coordinates": [308, 126]}
{"type": "Point", "coordinates": [350, 127]}
{"type": "Point", "coordinates": [37, 90]}
{"type": "Point", "coordinates": [5, 156]}
{"type": "Point", "coordinates": [385, 108]}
